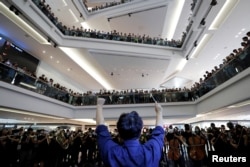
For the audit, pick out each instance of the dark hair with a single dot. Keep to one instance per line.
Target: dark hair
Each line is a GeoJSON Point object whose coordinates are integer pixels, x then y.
{"type": "Point", "coordinates": [212, 125]}
{"type": "Point", "coordinates": [186, 126]}
{"type": "Point", "coordinates": [230, 125]}
{"type": "Point", "coordinates": [30, 130]}
{"type": "Point", "coordinates": [245, 38]}
{"type": "Point", "coordinates": [129, 125]}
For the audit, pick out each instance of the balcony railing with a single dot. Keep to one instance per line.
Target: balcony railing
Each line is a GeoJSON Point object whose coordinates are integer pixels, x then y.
{"type": "Point", "coordinates": [26, 81]}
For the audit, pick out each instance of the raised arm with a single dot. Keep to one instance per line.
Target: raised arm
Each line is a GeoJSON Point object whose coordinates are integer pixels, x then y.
{"type": "Point", "coordinates": [99, 112]}
{"type": "Point", "coordinates": [159, 118]}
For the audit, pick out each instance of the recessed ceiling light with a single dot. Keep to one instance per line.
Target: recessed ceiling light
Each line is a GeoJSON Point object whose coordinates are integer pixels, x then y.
{"type": "Point", "coordinates": [51, 57]}
{"type": "Point", "coordinates": [236, 36]}
{"type": "Point", "coordinates": [243, 29]}
{"type": "Point", "coordinates": [223, 13]}
{"type": "Point", "coordinates": [44, 51]}
{"type": "Point", "coordinates": [64, 2]}
{"type": "Point", "coordinates": [232, 106]}
{"type": "Point", "coordinates": [57, 61]}
{"type": "Point", "coordinates": [239, 33]}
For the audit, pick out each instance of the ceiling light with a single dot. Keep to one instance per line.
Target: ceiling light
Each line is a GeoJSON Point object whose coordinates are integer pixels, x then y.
{"type": "Point", "coordinates": [201, 45]}
{"type": "Point", "coordinates": [28, 113]}
{"type": "Point", "coordinates": [232, 106]}
{"type": "Point", "coordinates": [73, 15]}
{"type": "Point", "coordinates": [223, 14]}
{"type": "Point", "coordinates": [57, 61]}
{"type": "Point", "coordinates": [79, 59]}
{"type": "Point", "coordinates": [64, 2]}
{"type": "Point", "coordinates": [85, 120]}
{"type": "Point", "coordinates": [27, 85]}
{"type": "Point", "coordinates": [22, 24]}
{"type": "Point", "coordinates": [200, 115]}
{"type": "Point", "coordinates": [174, 18]}
{"type": "Point", "coordinates": [240, 104]}
{"type": "Point", "coordinates": [181, 65]}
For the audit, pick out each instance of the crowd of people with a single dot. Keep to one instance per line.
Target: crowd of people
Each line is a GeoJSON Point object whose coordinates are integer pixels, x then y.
{"type": "Point", "coordinates": [104, 5]}
{"type": "Point", "coordinates": [114, 3]}
{"type": "Point", "coordinates": [100, 34]}
{"type": "Point", "coordinates": [65, 148]}
{"type": "Point", "coordinates": [194, 146]}
{"type": "Point", "coordinates": [233, 64]}
{"type": "Point", "coordinates": [185, 147]}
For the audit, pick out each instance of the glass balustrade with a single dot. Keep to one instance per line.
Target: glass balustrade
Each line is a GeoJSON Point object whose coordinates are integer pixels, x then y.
{"type": "Point", "coordinates": [17, 77]}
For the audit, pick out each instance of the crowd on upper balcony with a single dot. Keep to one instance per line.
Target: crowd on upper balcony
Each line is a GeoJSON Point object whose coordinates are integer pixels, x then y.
{"type": "Point", "coordinates": [233, 64]}
{"type": "Point", "coordinates": [114, 3]}
{"type": "Point", "coordinates": [16, 73]}
{"type": "Point", "coordinates": [104, 5]}
{"type": "Point", "coordinates": [113, 35]}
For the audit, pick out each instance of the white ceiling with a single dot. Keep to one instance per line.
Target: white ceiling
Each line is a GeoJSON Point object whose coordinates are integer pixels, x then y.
{"type": "Point", "coordinates": [128, 70]}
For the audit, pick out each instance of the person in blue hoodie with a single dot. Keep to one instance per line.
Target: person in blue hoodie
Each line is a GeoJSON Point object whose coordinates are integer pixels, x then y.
{"type": "Point", "coordinates": [130, 152]}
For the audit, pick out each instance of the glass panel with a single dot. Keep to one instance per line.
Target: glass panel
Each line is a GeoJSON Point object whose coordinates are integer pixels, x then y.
{"type": "Point", "coordinates": [17, 77]}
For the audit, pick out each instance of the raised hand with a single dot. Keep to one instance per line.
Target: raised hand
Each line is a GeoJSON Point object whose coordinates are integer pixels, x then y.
{"type": "Point", "coordinates": [100, 101]}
